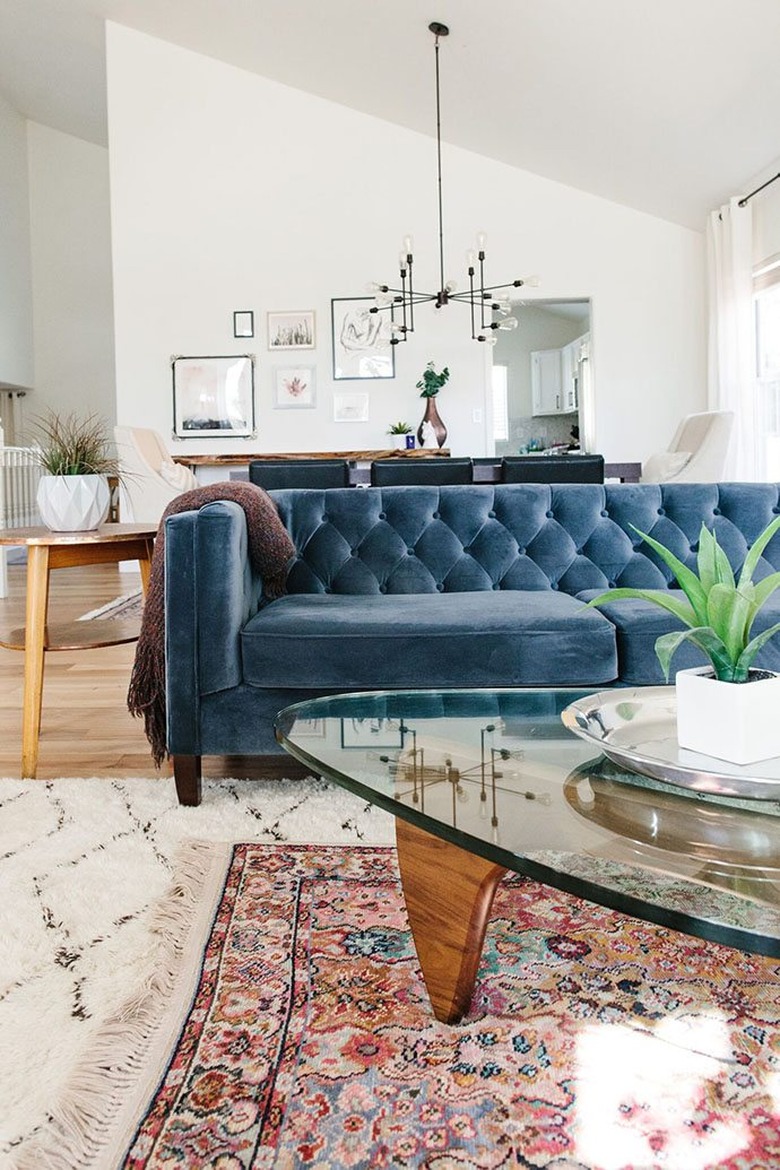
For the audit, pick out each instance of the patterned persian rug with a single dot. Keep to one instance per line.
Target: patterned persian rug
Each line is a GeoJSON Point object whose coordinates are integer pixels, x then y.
{"type": "Point", "coordinates": [595, 1042]}
{"type": "Point", "coordinates": [130, 605]}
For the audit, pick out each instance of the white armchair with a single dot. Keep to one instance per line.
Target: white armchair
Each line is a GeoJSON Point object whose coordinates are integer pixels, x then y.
{"type": "Point", "coordinates": [696, 454]}
{"type": "Point", "coordinates": [150, 478]}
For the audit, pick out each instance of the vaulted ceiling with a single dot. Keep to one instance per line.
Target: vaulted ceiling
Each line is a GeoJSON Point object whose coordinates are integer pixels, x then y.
{"type": "Point", "coordinates": [669, 107]}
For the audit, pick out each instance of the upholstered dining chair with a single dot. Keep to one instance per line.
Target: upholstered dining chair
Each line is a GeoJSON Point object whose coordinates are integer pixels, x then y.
{"type": "Point", "coordinates": [552, 469]}
{"type": "Point", "coordinates": [442, 470]}
{"type": "Point", "coordinates": [299, 473]}
{"type": "Point", "coordinates": [150, 478]}
{"type": "Point", "coordinates": [696, 454]}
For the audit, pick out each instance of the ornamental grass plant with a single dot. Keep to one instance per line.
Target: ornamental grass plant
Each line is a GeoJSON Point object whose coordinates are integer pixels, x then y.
{"type": "Point", "coordinates": [71, 445]}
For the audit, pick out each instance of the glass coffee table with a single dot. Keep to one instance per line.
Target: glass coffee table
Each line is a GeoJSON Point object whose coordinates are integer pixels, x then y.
{"type": "Point", "coordinates": [488, 781]}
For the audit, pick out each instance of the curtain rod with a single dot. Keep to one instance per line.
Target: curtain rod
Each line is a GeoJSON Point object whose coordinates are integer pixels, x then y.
{"type": "Point", "coordinates": [745, 198]}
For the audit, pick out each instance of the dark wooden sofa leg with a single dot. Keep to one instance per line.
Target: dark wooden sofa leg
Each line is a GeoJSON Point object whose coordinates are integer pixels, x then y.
{"type": "Point", "coordinates": [186, 773]}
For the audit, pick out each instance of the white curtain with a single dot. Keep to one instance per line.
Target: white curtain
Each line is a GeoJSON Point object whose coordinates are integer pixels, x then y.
{"type": "Point", "coordinates": [732, 367]}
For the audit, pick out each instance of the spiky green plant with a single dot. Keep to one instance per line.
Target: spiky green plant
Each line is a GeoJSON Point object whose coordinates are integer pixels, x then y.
{"type": "Point", "coordinates": [719, 611]}
{"type": "Point", "coordinates": [70, 445]}
{"type": "Point", "coordinates": [399, 428]}
{"type": "Point", "coordinates": [431, 383]}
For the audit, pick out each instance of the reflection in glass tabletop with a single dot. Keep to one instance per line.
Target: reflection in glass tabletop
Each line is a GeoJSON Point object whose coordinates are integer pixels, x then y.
{"type": "Point", "coordinates": [497, 776]}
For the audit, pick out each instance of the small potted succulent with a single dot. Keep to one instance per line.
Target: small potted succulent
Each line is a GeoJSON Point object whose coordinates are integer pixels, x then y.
{"type": "Point", "coordinates": [716, 714]}
{"type": "Point", "coordinates": [432, 431]}
{"type": "Point", "coordinates": [77, 457]}
{"type": "Point", "coordinates": [402, 435]}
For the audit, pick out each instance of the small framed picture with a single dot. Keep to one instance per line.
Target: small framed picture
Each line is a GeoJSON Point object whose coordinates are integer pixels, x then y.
{"type": "Point", "coordinates": [294, 386]}
{"type": "Point", "coordinates": [291, 330]}
{"type": "Point", "coordinates": [214, 396]}
{"type": "Point", "coordinates": [372, 733]}
{"type": "Point", "coordinates": [361, 340]}
{"type": "Point", "coordinates": [350, 407]}
{"type": "Point", "coordinates": [243, 323]}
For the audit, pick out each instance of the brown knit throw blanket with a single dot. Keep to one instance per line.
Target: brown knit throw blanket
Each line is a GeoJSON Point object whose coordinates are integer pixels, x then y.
{"type": "Point", "coordinates": [270, 550]}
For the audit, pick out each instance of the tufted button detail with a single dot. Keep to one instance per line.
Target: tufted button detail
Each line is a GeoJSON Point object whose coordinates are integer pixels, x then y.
{"type": "Point", "coordinates": [716, 512]}
{"type": "Point", "coordinates": [436, 516]}
{"type": "Point", "coordinates": [520, 551]}
{"type": "Point", "coordinates": [496, 586]}
{"type": "Point", "coordinates": [440, 587]}
{"type": "Point", "coordinates": [383, 589]}
{"type": "Point", "coordinates": [612, 584]}
{"type": "Point", "coordinates": [328, 589]}
{"type": "Point", "coordinates": [604, 513]}
{"type": "Point", "coordinates": [492, 515]}
{"type": "Point", "coordinates": [410, 552]}
{"type": "Point", "coordinates": [549, 515]}
{"type": "Point", "coordinates": [354, 552]}
{"type": "Point", "coordinates": [324, 517]}
{"type": "Point", "coordinates": [383, 515]}
{"type": "Point", "coordinates": [662, 511]}
{"type": "Point", "coordinates": [554, 585]}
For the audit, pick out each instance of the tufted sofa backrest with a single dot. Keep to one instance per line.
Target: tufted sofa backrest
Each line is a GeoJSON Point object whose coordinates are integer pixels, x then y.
{"type": "Point", "coordinates": [571, 537]}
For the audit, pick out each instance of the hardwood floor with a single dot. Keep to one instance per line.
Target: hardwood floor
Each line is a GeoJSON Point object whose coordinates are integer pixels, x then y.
{"type": "Point", "coordinates": [86, 729]}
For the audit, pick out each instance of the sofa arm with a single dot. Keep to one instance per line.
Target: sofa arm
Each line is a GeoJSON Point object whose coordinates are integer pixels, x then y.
{"type": "Point", "coordinates": [211, 591]}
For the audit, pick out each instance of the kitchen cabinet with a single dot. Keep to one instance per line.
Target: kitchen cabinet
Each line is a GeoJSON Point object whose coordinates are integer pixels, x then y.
{"type": "Point", "coordinates": [556, 377]}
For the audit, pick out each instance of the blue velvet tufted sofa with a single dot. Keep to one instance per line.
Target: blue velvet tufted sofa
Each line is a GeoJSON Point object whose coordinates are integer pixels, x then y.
{"type": "Point", "coordinates": [442, 587]}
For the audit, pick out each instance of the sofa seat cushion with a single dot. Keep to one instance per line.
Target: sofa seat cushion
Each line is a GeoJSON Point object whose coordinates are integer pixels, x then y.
{"type": "Point", "coordinates": [484, 638]}
{"type": "Point", "coordinates": [639, 623]}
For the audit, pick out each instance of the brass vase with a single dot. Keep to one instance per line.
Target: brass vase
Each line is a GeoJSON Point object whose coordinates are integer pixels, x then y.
{"type": "Point", "coordinates": [433, 418]}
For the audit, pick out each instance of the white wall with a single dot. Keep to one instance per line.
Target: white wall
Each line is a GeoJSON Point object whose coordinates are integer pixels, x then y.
{"type": "Point", "coordinates": [16, 333]}
{"type": "Point", "coordinates": [230, 191]}
{"type": "Point", "coordinates": [71, 275]}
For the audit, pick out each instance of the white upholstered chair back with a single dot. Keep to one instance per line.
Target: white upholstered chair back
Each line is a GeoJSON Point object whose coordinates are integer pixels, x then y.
{"type": "Point", "coordinates": [150, 478]}
{"type": "Point", "coordinates": [697, 453]}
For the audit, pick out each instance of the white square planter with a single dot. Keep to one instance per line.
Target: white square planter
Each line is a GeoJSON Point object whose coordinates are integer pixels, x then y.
{"type": "Point", "coordinates": [737, 722]}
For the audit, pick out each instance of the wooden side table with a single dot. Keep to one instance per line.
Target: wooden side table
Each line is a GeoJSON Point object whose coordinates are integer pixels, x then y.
{"type": "Point", "coordinates": [48, 550]}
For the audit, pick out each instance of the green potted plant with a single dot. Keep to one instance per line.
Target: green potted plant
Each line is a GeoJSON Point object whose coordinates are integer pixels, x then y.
{"type": "Point", "coordinates": [716, 714]}
{"type": "Point", "coordinates": [76, 455]}
{"type": "Point", "coordinates": [402, 435]}
{"type": "Point", "coordinates": [432, 431]}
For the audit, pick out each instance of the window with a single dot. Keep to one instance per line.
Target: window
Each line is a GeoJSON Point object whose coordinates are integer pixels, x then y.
{"type": "Point", "coordinates": [767, 307]}
{"type": "Point", "coordinates": [500, 404]}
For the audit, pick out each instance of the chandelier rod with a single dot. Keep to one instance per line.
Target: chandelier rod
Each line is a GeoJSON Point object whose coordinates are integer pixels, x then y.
{"type": "Point", "coordinates": [439, 30]}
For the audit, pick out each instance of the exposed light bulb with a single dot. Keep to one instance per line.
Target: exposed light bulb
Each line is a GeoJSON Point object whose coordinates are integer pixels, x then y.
{"type": "Point", "coordinates": [471, 258]}
{"type": "Point", "coordinates": [408, 245]}
{"type": "Point", "coordinates": [509, 323]}
{"type": "Point", "coordinates": [374, 286]}
{"type": "Point", "coordinates": [532, 281]}
{"type": "Point", "coordinates": [450, 286]}
{"type": "Point", "coordinates": [481, 241]}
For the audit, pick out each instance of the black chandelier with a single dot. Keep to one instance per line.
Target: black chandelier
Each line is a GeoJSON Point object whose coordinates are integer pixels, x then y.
{"type": "Point", "coordinates": [485, 302]}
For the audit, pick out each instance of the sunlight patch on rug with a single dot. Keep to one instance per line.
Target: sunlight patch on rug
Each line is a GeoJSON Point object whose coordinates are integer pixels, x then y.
{"type": "Point", "coordinates": [126, 606]}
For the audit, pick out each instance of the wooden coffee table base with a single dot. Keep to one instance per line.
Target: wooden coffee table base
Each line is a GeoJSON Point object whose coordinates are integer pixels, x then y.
{"type": "Point", "coordinates": [449, 895]}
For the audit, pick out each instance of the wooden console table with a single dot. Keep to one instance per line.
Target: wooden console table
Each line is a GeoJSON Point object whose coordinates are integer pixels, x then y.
{"type": "Point", "coordinates": [48, 550]}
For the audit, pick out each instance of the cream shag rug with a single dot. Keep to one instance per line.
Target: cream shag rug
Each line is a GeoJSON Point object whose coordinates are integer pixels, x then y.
{"type": "Point", "coordinates": [108, 890]}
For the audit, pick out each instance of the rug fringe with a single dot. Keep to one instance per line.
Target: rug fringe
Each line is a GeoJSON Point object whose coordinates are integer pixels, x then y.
{"type": "Point", "coordinates": [105, 1095]}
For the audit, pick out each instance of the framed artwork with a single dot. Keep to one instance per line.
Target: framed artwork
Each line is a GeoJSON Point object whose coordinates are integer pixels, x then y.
{"type": "Point", "coordinates": [350, 407]}
{"type": "Point", "coordinates": [214, 396]}
{"type": "Point", "coordinates": [293, 330]}
{"type": "Point", "coordinates": [372, 733]}
{"type": "Point", "coordinates": [361, 340]}
{"type": "Point", "coordinates": [294, 386]}
{"type": "Point", "coordinates": [243, 323]}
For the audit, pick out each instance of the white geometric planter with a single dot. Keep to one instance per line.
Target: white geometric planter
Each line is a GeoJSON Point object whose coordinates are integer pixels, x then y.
{"type": "Point", "coordinates": [73, 503]}
{"type": "Point", "coordinates": [736, 722]}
